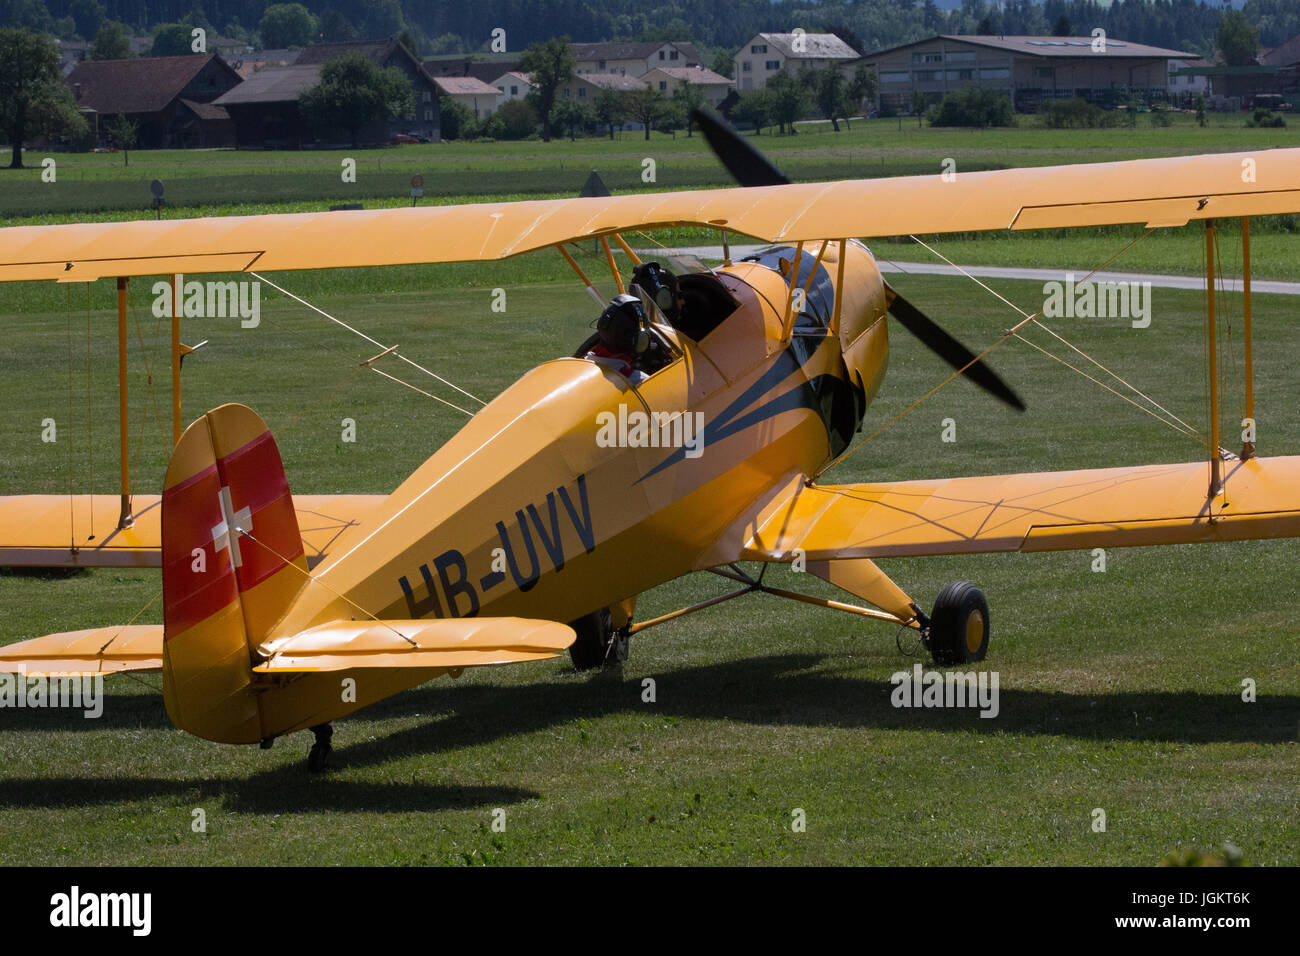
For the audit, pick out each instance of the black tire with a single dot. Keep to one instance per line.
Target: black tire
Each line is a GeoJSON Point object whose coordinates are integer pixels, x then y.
{"type": "Point", "coordinates": [598, 644]}
{"type": "Point", "coordinates": [959, 625]}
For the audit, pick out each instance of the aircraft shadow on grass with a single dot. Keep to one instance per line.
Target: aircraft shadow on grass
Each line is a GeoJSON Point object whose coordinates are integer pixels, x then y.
{"type": "Point", "coordinates": [785, 690]}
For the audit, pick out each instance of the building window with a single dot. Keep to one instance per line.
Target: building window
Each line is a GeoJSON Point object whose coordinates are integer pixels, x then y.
{"type": "Point", "coordinates": [744, 67]}
{"type": "Point", "coordinates": [960, 56]}
{"type": "Point", "coordinates": [996, 73]}
{"type": "Point", "coordinates": [773, 64]}
{"type": "Point", "coordinates": [602, 64]}
{"type": "Point", "coordinates": [672, 54]}
{"type": "Point", "coordinates": [899, 77]}
{"type": "Point", "coordinates": [582, 92]}
{"type": "Point", "coordinates": [758, 48]}
{"type": "Point", "coordinates": [661, 54]}
{"type": "Point", "coordinates": [428, 116]}
{"type": "Point", "coordinates": [927, 57]}
{"type": "Point", "coordinates": [428, 96]}
{"type": "Point", "coordinates": [663, 84]}
{"type": "Point", "coordinates": [928, 76]}
{"type": "Point", "coordinates": [514, 91]}
{"type": "Point", "coordinates": [960, 74]}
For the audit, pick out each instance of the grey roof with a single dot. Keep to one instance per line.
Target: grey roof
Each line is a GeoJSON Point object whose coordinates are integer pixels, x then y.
{"type": "Point", "coordinates": [1052, 46]}
{"type": "Point", "coordinates": [815, 46]}
{"type": "Point", "coordinates": [276, 84]}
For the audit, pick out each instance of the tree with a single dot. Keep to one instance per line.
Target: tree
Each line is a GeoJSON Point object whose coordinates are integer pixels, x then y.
{"type": "Point", "coordinates": [1063, 27]}
{"type": "Point", "coordinates": [572, 115]}
{"type": "Point", "coordinates": [1236, 38]}
{"type": "Point", "coordinates": [455, 119]}
{"type": "Point", "coordinates": [645, 105]}
{"type": "Point", "coordinates": [1200, 109]}
{"type": "Point", "coordinates": [286, 25]}
{"type": "Point", "coordinates": [789, 100]}
{"type": "Point", "coordinates": [336, 28]}
{"type": "Point", "coordinates": [89, 16]}
{"type": "Point", "coordinates": [516, 118]}
{"type": "Point", "coordinates": [354, 91]}
{"type": "Point", "coordinates": [33, 97]}
{"type": "Point", "coordinates": [610, 108]}
{"type": "Point", "coordinates": [975, 107]}
{"type": "Point", "coordinates": [755, 108]}
{"type": "Point", "coordinates": [832, 93]}
{"type": "Point", "coordinates": [112, 42]}
{"type": "Point", "coordinates": [723, 63]}
{"type": "Point", "coordinates": [863, 88]}
{"type": "Point", "coordinates": [688, 98]}
{"type": "Point", "coordinates": [123, 133]}
{"type": "Point", "coordinates": [920, 103]}
{"type": "Point", "coordinates": [171, 39]}
{"type": "Point", "coordinates": [551, 64]}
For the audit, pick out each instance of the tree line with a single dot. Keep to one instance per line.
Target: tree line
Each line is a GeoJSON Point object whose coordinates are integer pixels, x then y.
{"type": "Point", "coordinates": [452, 26]}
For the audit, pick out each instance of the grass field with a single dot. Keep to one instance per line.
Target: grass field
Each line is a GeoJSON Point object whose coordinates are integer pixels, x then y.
{"type": "Point", "coordinates": [1119, 690]}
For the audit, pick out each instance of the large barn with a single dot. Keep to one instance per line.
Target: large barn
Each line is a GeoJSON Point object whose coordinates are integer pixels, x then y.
{"type": "Point", "coordinates": [1027, 69]}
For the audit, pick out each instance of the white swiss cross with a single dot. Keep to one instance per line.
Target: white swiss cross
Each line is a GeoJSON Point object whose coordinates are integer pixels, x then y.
{"type": "Point", "coordinates": [241, 520]}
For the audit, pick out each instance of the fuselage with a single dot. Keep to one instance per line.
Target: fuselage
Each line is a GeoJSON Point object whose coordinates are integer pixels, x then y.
{"type": "Point", "coordinates": [574, 489]}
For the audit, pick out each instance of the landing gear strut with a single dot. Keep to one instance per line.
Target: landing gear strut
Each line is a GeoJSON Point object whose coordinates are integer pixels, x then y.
{"type": "Point", "coordinates": [319, 757]}
{"type": "Point", "coordinates": [598, 643]}
{"type": "Point", "coordinates": [958, 631]}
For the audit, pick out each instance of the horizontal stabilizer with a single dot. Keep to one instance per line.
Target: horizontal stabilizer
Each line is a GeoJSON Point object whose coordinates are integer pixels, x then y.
{"type": "Point", "coordinates": [98, 650]}
{"type": "Point", "coordinates": [448, 642]}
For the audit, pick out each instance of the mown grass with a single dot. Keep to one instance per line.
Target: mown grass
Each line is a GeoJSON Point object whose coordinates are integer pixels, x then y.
{"type": "Point", "coordinates": [1119, 690]}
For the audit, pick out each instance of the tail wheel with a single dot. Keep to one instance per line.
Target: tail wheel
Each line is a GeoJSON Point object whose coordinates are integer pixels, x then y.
{"type": "Point", "coordinates": [959, 626]}
{"type": "Point", "coordinates": [598, 643]}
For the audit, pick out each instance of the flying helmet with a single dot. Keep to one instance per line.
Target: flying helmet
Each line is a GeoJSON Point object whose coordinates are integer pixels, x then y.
{"type": "Point", "coordinates": [660, 285]}
{"type": "Point", "coordinates": [622, 327]}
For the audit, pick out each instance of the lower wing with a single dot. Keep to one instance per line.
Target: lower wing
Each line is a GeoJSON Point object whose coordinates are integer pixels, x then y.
{"type": "Point", "coordinates": [1043, 511]}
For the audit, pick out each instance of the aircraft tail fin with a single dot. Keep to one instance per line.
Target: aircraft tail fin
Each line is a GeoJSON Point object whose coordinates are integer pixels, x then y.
{"type": "Point", "coordinates": [232, 562]}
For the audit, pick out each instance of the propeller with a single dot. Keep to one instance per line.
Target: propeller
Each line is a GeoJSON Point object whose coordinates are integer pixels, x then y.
{"type": "Point", "coordinates": [749, 167]}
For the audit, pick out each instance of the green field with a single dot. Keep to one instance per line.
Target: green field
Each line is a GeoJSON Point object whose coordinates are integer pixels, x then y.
{"type": "Point", "coordinates": [1119, 690]}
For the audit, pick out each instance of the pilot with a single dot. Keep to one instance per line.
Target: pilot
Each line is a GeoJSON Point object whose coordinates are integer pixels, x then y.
{"type": "Point", "coordinates": [662, 288]}
{"type": "Point", "coordinates": [624, 337]}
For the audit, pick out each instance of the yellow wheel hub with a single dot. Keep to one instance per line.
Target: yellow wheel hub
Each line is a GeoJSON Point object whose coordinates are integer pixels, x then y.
{"type": "Point", "coordinates": [974, 631]}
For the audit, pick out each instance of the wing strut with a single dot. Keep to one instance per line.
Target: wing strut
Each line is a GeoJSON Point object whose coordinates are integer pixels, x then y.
{"type": "Point", "coordinates": [1212, 352]}
{"type": "Point", "coordinates": [125, 519]}
{"type": "Point", "coordinates": [1247, 446]}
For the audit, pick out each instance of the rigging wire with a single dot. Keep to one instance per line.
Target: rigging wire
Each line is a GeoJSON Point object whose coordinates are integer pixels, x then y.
{"type": "Point", "coordinates": [1014, 332]}
{"type": "Point", "coordinates": [381, 345]}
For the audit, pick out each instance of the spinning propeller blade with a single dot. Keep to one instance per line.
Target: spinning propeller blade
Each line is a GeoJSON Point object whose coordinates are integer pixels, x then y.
{"type": "Point", "coordinates": [749, 167]}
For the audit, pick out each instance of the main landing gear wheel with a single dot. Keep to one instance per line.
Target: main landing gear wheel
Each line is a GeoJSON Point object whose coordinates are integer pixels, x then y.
{"type": "Point", "coordinates": [319, 757]}
{"type": "Point", "coordinates": [959, 625]}
{"type": "Point", "coordinates": [598, 642]}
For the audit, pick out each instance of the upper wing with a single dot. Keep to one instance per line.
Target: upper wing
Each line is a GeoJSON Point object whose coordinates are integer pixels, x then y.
{"type": "Point", "coordinates": [1044, 511]}
{"type": "Point", "coordinates": [1159, 192]}
{"type": "Point", "coordinates": [54, 530]}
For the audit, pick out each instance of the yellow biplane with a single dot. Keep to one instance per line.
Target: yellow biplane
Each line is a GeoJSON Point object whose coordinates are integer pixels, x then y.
{"type": "Point", "coordinates": [579, 487]}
